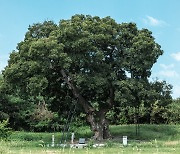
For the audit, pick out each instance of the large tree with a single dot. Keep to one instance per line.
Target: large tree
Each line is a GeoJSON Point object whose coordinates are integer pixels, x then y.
{"type": "Point", "coordinates": [88, 58]}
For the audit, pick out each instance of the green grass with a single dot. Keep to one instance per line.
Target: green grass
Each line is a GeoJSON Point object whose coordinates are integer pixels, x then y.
{"type": "Point", "coordinates": [148, 132]}
{"type": "Point", "coordinates": [160, 139]}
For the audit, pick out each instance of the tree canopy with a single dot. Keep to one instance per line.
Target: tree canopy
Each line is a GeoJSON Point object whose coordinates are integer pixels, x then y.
{"type": "Point", "coordinates": [88, 58]}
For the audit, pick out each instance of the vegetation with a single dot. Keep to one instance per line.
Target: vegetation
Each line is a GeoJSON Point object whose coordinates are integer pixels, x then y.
{"type": "Point", "coordinates": [5, 131]}
{"type": "Point", "coordinates": [172, 114]}
{"type": "Point", "coordinates": [152, 139]}
{"type": "Point", "coordinates": [85, 70]}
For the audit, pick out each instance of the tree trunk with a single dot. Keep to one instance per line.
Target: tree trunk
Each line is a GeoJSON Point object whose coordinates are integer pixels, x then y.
{"type": "Point", "coordinates": [98, 122]}
{"type": "Point", "coordinates": [99, 125]}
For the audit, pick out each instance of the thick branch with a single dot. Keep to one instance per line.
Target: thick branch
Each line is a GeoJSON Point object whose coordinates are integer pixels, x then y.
{"type": "Point", "coordinates": [76, 93]}
{"type": "Point", "coordinates": [111, 96]}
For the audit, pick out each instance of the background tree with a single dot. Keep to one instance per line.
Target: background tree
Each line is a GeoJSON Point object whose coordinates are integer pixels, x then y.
{"type": "Point", "coordinates": [158, 99]}
{"type": "Point", "coordinates": [172, 115]}
{"type": "Point", "coordinates": [155, 102]}
{"type": "Point", "coordinates": [87, 58]}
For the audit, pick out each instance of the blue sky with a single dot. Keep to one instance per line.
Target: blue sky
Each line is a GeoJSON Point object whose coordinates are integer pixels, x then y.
{"type": "Point", "coordinates": [159, 16]}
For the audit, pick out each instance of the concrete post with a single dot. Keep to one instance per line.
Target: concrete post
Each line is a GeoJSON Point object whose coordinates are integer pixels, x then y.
{"type": "Point", "coordinates": [72, 138]}
{"type": "Point", "coordinates": [52, 141]}
{"type": "Point", "coordinates": [125, 140]}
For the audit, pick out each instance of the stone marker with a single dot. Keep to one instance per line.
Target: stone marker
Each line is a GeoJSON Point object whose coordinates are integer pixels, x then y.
{"type": "Point", "coordinates": [124, 140]}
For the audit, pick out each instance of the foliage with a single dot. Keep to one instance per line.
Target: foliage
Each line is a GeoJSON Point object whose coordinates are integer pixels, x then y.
{"type": "Point", "coordinates": [172, 114]}
{"type": "Point", "coordinates": [148, 132]}
{"type": "Point", "coordinates": [158, 99]}
{"type": "Point", "coordinates": [154, 102]}
{"type": "Point", "coordinates": [83, 61]}
{"type": "Point", "coordinates": [153, 139]}
{"type": "Point", "coordinates": [5, 131]}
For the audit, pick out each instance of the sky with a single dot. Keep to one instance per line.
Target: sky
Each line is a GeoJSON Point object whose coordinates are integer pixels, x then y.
{"type": "Point", "coordinates": [162, 17]}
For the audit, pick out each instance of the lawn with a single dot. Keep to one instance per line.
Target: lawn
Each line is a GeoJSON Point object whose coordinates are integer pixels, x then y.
{"type": "Point", "coordinates": [160, 139]}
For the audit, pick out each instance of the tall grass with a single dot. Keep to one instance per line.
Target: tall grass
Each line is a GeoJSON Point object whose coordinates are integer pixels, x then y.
{"type": "Point", "coordinates": [148, 132]}
{"type": "Point", "coordinates": [152, 139]}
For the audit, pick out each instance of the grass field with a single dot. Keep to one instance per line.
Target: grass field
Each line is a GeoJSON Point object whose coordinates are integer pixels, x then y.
{"type": "Point", "coordinates": [159, 139]}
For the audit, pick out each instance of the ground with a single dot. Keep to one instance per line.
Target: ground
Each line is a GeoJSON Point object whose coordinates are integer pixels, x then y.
{"type": "Point", "coordinates": [160, 139]}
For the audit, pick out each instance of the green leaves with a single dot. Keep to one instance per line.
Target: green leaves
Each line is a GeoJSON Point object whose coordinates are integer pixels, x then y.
{"type": "Point", "coordinates": [140, 50]}
{"type": "Point", "coordinates": [5, 132]}
{"type": "Point", "coordinates": [95, 55]}
{"type": "Point", "coordinates": [36, 85]}
{"type": "Point", "coordinates": [40, 30]}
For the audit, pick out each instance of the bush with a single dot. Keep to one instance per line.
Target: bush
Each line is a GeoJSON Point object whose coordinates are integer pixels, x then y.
{"type": "Point", "coordinates": [172, 114]}
{"type": "Point", "coordinates": [5, 131]}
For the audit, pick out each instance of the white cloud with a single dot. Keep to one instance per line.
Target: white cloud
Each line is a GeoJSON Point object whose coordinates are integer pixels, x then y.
{"type": "Point", "coordinates": [176, 56]}
{"type": "Point", "coordinates": [153, 21]}
{"type": "Point", "coordinates": [169, 73]}
{"type": "Point", "coordinates": [166, 67]}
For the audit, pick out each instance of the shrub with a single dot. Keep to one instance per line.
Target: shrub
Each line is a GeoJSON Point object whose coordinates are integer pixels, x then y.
{"type": "Point", "coordinates": [5, 131]}
{"type": "Point", "coordinates": [172, 114]}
